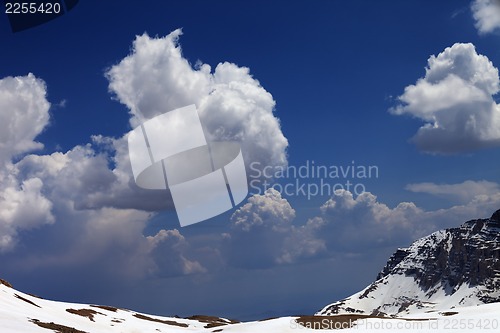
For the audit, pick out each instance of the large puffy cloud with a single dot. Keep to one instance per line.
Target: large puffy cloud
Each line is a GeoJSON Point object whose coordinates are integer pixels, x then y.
{"type": "Point", "coordinates": [486, 13]}
{"type": "Point", "coordinates": [22, 207]}
{"type": "Point", "coordinates": [155, 78]}
{"type": "Point", "coordinates": [455, 100]}
{"type": "Point", "coordinates": [171, 241]}
{"type": "Point", "coordinates": [262, 233]}
{"type": "Point", "coordinates": [107, 237]}
{"type": "Point", "coordinates": [355, 224]}
{"type": "Point", "coordinates": [268, 211]}
{"type": "Point", "coordinates": [259, 229]}
{"type": "Point", "coordinates": [24, 113]}
{"type": "Point", "coordinates": [105, 186]}
{"type": "Point", "coordinates": [96, 214]}
{"type": "Point", "coordinates": [88, 194]}
{"type": "Point", "coordinates": [463, 192]}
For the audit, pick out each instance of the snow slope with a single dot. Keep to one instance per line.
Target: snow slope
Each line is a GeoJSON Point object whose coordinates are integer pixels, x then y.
{"type": "Point", "coordinates": [20, 312]}
{"type": "Point", "coordinates": [401, 295]}
{"type": "Point", "coordinates": [447, 281]}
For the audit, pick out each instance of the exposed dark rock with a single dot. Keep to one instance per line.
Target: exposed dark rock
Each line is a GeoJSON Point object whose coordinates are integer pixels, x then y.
{"type": "Point", "coordinates": [441, 263]}
{"type": "Point", "coordinates": [89, 313]}
{"type": "Point", "coordinates": [56, 327]}
{"type": "Point", "coordinates": [26, 300]}
{"type": "Point", "coordinates": [495, 216]}
{"type": "Point", "coordinates": [468, 254]}
{"type": "Point", "coordinates": [5, 283]}
{"type": "Point", "coordinates": [213, 321]}
{"type": "Point", "coordinates": [166, 322]}
{"type": "Point", "coordinates": [394, 260]}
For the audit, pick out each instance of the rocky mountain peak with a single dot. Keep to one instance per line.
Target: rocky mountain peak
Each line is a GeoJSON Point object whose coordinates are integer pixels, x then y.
{"type": "Point", "coordinates": [460, 264]}
{"type": "Point", "coordinates": [495, 218]}
{"type": "Point", "coordinates": [467, 254]}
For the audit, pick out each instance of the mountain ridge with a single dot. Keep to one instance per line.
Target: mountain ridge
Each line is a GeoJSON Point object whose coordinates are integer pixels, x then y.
{"type": "Point", "coordinates": [449, 268]}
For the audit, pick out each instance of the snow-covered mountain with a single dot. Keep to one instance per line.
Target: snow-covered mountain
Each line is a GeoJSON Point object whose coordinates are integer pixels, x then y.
{"type": "Point", "coordinates": [24, 313]}
{"type": "Point", "coordinates": [450, 268]}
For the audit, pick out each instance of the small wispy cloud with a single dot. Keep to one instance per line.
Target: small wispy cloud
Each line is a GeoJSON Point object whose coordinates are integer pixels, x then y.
{"type": "Point", "coordinates": [463, 192]}
{"type": "Point", "coordinates": [62, 104]}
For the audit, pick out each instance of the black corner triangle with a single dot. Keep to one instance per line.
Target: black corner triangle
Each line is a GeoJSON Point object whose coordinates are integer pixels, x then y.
{"type": "Point", "coordinates": [70, 4]}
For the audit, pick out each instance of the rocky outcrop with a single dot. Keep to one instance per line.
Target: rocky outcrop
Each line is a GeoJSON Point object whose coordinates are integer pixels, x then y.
{"type": "Point", "coordinates": [469, 255]}
{"type": "Point", "coordinates": [5, 283]}
{"type": "Point", "coordinates": [434, 269]}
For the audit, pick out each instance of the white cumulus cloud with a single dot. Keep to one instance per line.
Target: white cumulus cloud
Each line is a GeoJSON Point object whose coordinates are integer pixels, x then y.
{"type": "Point", "coordinates": [24, 113]}
{"type": "Point", "coordinates": [22, 207]}
{"type": "Point", "coordinates": [486, 13]}
{"type": "Point", "coordinates": [364, 222]}
{"type": "Point", "coordinates": [269, 211]}
{"type": "Point", "coordinates": [156, 78]}
{"type": "Point", "coordinates": [172, 242]}
{"type": "Point", "coordinates": [84, 197]}
{"type": "Point", "coordinates": [97, 215]}
{"type": "Point", "coordinates": [455, 100]}
{"type": "Point", "coordinates": [87, 194]}
{"type": "Point", "coordinates": [263, 235]}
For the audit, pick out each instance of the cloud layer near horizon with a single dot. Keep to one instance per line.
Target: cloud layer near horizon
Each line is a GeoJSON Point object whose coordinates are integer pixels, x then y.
{"type": "Point", "coordinates": [264, 232]}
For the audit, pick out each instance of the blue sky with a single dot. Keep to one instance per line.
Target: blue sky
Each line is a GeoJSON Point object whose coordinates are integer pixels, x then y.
{"type": "Point", "coordinates": [74, 229]}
